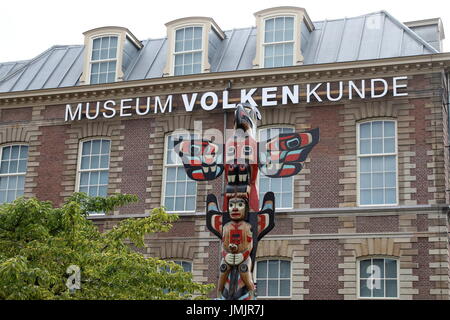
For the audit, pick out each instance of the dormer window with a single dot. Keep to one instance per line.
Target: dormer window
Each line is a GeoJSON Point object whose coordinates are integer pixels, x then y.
{"type": "Point", "coordinates": [108, 52]}
{"type": "Point", "coordinates": [104, 60]}
{"type": "Point", "coordinates": [279, 42]}
{"type": "Point", "coordinates": [279, 36]}
{"type": "Point", "coordinates": [191, 44]}
{"type": "Point", "coordinates": [188, 51]}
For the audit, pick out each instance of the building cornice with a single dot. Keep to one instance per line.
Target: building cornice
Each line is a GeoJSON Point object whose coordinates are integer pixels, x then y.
{"type": "Point", "coordinates": [237, 79]}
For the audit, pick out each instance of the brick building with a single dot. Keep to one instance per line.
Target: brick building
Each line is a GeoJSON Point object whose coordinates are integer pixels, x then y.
{"type": "Point", "coordinates": [366, 218]}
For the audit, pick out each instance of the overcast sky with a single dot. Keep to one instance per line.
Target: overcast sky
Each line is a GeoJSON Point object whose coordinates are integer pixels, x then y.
{"type": "Point", "coordinates": [29, 27]}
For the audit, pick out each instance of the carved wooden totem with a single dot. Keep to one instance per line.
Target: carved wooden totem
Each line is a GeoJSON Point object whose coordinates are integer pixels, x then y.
{"type": "Point", "coordinates": [241, 223]}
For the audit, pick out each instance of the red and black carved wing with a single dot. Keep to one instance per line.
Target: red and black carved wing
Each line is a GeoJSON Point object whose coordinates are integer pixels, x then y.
{"type": "Point", "coordinates": [202, 159]}
{"type": "Point", "coordinates": [214, 218]}
{"type": "Point", "coordinates": [266, 217]}
{"type": "Point", "coordinates": [284, 155]}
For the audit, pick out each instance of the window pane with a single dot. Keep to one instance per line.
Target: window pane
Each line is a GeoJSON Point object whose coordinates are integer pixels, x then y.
{"type": "Point", "coordinates": [378, 289]}
{"type": "Point", "coordinates": [390, 163]}
{"type": "Point", "coordinates": [85, 161]}
{"type": "Point", "coordinates": [365, 181]}
{"type": "Point", "coordinates": [377, 196]}
{"type": "Point", "coordinates": [366, 197]}
{"type": "Point", "coordinates": [191, 188]}
{"type": "Point", "coordinates": [366, 165]}
{"type": "Point", "coordinates": [3, 183]}
{"type": "Point", "coordinates": [391, 268]}
{"type": "Point", "coordinates": [272, 288]}
{"type": "Point", "coordinates": [285, 288]}
{"type": "Point", "coordinates": [96, 147]}
{"type": "Point", "coordinates": [377, 146]}
{"type": "Point", "coordinates": [171, 173]}
{"type": "Point", "coordinates": [391, 288]}
{"type": "Point", "coordinates": [365, 130]}
{"type": "Point", "coordinates": [102, 191]}
{"type": "Point", "coordinates": [190, 204]}
{"type": "Point", "coordinates": [104, 177]}
{"type": "Point", "coordinates": [11, 196]}
{"type": "Point", "coordinates": [84, 179]}
{"type": "Point", "coordinates": [262, 288]}
{"type": "Point", "coordinates": [285, 269]}
{"type": "Point", "coordinates": [377, 129]}
{"type": "Point", "coordinates": [24, 152]}
{"type": "Point", "coordinates": [389, 129]}
{"type": "Point", "coordinates": [12, 183]}
{"type": "Point", "coordinates": [389, 145]}
{"type": "Point", "coordinates": [391, 196]}
{"type": "Point", "coordinates": [364, 267]}
{"type": "Point", "coordinates": [15, 150]}
{"type": "Point", "coordinates": [273, 268]}
{"type": "Point", "coordinates": [365, 147]}
{"type": "Point", "coordinates": [364, 291]}
{"type": "Point", "coordinates": [6, 152]}
{"type": "Point", "coordinates": [379, 263]}
{"type": "Point", "coordinates": [261, 269]}
{"type": "Point", "coordinates": [179, 204]}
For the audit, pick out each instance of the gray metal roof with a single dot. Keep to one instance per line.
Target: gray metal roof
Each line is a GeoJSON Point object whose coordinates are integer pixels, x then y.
{"type": "Point", "coordinates": [372, 36]}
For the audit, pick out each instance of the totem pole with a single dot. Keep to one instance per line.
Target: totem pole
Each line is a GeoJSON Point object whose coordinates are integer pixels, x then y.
{"type": "Point", "coordinates": [241, 223]}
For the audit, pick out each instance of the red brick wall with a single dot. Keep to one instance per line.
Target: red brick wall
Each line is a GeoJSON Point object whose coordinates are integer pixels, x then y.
{"type": "Point", "coordinates": [324, 157]}
{"type": "Point", "coordinates": [377, 224]}
{"type": "Point", "coordinates": [135, 162]}
{"type": "Point", "coordinates": [323, 270]}
{"type": "Point", "coordinates": [324, 225]}
{"type": "Point", "coordinates": [51, 164]}
{"type": "Point", "coordinates": [420, 148]}
{"type": "Point", "coordinates": [423, 271]}
{"type": "Point", "coordinates": [19, 114]}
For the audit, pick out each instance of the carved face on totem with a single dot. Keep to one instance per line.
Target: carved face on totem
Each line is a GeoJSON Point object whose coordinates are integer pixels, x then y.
{"type": "Point", "coordinates": [237, 208]}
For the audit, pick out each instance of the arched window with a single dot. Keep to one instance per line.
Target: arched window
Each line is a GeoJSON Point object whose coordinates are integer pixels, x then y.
{"type": "Point", "coordinates": [13, 168]}
{"type": "Point", "coordinates": [377, 163]}
{"type": "Point", "coordinates": [179, 191]}
{"type": "Point", "coordinates": [273, 278]}
{"type": "Point", "coordinates": [93, 167]}
{"type": "Point", "coordinates": [378, 278]}
{"type": "Point", "coordinates": [283, 188]}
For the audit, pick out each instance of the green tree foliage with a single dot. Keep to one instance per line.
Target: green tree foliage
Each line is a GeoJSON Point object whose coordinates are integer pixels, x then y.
{"type": "Point", "coordinates": [38, 243]}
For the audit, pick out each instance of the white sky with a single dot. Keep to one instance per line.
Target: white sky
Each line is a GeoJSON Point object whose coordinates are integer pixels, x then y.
{"type": "Point", "coordinates": [28, 28]}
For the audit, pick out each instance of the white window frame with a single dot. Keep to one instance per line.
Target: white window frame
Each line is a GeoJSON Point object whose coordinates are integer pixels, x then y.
{"type": "Point", "coordinates": [173, 165]}
{"type": "Point", "coordinates": [79, 170]}
{"type": "Point", "coordinates": [116, 59]}
{"type": "Point", "coordinates": [293, 41]}
{"type": "Point", "coordinates": [255, 274]}
{"type": "Point", "coordinates": [359, 156]}
{"type": "Point", "coordinates": [358, 278]}
{"type": "Point", "coordinates": [15, 174]}
{"type": "Point", "coordinates": [293, 178]}
{"type": "Point", "coordinates": [201, 50]}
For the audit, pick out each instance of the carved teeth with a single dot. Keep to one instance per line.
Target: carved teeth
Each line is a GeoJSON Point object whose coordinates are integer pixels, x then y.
{"type": "Point", "coordinates": [213, 168]}
{"type": "Point", "coordinates": [232, 178]}
{"type": "Point", "coordinates": [205, 169]}
{"type": "Point", "coordinates": [242, 177]}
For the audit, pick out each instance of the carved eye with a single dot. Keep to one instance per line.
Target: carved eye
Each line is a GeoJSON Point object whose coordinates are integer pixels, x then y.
{"type": "Point", "coordinates": [231, 150]}
{"type": "Point", "coordinates": [293, 143]}
{"type": "Point", "coordinates": [248, 150]}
